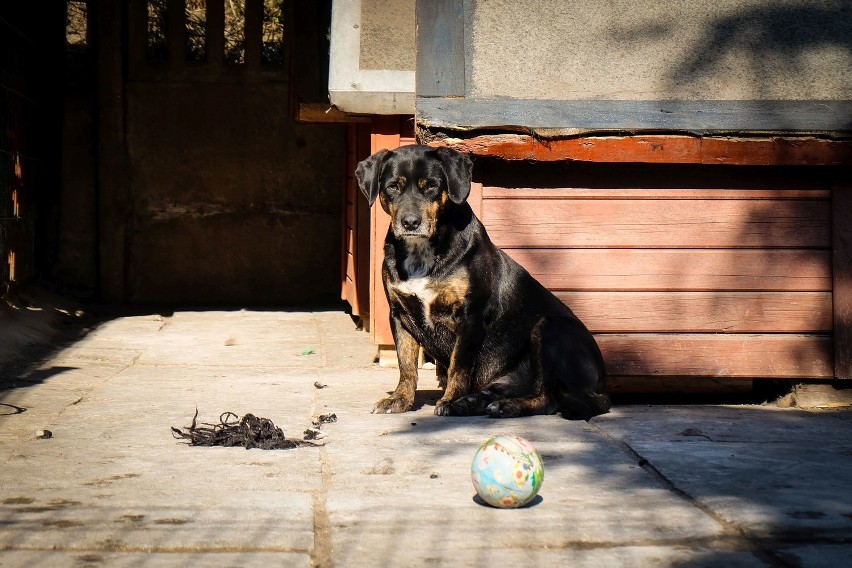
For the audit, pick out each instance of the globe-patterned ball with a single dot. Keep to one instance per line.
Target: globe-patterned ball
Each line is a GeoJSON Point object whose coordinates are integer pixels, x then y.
{"type": "Point", "coordinates": [507, 471]}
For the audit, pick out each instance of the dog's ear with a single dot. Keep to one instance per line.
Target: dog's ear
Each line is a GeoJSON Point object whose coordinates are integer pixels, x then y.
{"type": "Point", "coordinates": [459, 168]}
{"type": "Point", "coordinates": [367, 174]}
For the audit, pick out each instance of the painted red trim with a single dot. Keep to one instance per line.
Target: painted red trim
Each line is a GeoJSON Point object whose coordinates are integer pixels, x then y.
{"type": "Point", "coordinates": [661, 149]}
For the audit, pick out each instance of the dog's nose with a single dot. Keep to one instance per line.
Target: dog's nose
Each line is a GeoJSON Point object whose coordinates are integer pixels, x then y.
{"type": "Point", "coordinates": [410, 222]}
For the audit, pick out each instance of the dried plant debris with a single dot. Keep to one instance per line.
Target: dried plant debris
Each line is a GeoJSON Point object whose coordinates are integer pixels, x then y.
{"type": "Point", "coordinates": [248, 432]}
{"type": "Point", "coordinates": [330, 418]}
{"type": "Point", "coordinates": [314, 434]}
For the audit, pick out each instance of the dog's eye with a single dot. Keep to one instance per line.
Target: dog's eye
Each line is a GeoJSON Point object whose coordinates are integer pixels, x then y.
{"type": "Point", "coordinates": [392, 188]}
{"type": "Point", "coordinates": [432, 190]}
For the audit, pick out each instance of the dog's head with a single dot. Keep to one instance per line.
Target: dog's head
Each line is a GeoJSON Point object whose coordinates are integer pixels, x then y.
{"type": "Point", "coordinates": [415, 184]}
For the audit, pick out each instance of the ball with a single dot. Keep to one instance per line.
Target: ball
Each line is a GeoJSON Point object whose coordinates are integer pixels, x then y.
{"type": "Point", "coordinates": [507, 472]}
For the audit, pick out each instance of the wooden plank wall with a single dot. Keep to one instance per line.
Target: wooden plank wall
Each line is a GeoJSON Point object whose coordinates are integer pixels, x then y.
{"type": "Point", "coordinates": [842, 291]}
{"type": "Point", "coordinates": [356, 227]}
{"type": "Point", "coordinates": [683, 282]}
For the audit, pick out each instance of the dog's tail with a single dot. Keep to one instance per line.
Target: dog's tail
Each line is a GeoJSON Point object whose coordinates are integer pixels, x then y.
{"type": "Point", "coordinates": [568, 354]}
{"type": "Point", "coordinates": [583, 406]}
{"type": "Point", "coordinates": [571, 357]}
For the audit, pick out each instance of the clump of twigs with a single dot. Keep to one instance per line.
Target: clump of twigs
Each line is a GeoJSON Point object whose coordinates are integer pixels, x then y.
{"type": "Point", "coordinates": [248, 432]}
{"type": "Point", "coordinates": [315, 433]}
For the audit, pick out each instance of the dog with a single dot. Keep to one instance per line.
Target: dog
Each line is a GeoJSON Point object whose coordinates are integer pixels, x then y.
{"type": "Point", "coordinates": [503, 344]}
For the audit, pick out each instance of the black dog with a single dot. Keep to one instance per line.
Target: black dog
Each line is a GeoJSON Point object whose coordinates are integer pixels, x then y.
{"type": "Point", "coordinates": [502, 343]}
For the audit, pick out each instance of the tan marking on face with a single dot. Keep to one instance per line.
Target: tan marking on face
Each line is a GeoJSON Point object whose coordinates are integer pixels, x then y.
{"type": "Point", "coordinates": [422, 183]}
{"type": "Point", "coordinates": [431, 215]}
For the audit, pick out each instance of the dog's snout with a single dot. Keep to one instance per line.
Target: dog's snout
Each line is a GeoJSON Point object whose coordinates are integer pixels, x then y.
{"type": "Point", "coordinates": [410, 222]}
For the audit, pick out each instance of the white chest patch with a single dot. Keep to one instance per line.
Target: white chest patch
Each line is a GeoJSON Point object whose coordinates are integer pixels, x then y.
{"type": "Point", "coordinates": [419, 287]}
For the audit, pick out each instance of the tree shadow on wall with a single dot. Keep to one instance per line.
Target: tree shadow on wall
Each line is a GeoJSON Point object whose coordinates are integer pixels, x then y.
{"type": "Point", "coordinates": [773, 39]}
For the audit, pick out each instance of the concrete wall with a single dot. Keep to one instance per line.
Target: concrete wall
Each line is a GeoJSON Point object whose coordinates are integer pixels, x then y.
{"type": "Point", "coordinates": [372, 56]}
{"type": "Point", "coordinates": [659, 49]}
{"type": "Point", "coordinates": [387, 34]}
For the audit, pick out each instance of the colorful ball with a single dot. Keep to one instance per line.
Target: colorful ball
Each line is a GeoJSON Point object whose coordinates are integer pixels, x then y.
{"type": "Point", "coordinates": [507, 472]}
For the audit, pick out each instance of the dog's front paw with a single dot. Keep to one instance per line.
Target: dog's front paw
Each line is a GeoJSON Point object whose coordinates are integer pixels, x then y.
{"type": "Point", "coordinates": [444, 408]}
{"type": "Point", "coordinates": [448, 407]}
{"type": "Point", "coordinates": [470, 405]}
{"type": "Point", "coordinates": [394, 404]}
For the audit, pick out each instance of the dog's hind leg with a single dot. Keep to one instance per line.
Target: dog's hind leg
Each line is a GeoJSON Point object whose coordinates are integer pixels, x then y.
{"type": "Point", "coordinates": [535, 400]}
{"type": "Point", "coordinates": [473, 404]}
{"type": "Point", "coordinates": [512, 384]}
{"type": "Point", "coordinates": [519, 392]}
{"type": "Point", "coordinates": [583, 406]}
{"type": "Point", "coordinates": [574, 371]}
{"type": "Point", "coordinates": [497, 405]}
{"type": "Point", "coordinates": [566, 374]}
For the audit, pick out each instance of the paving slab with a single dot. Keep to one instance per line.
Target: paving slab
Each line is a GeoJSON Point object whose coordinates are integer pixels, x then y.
{"type": "Point", "coordinates": [409, 475]}
{"type": "Point", "coordinates": [818, 555]}
{"type": "Point", "coordinates": [781, 473]}
{"type": "Point", "coordinates": [63, 559]}
{"type": "Point", "coordinates": [243, 339]}
{"type": "Point", "coordinates": [641, 486]}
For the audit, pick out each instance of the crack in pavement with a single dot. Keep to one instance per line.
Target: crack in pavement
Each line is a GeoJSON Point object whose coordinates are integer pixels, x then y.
{"type": "Point", "coordinates": [731, 530]}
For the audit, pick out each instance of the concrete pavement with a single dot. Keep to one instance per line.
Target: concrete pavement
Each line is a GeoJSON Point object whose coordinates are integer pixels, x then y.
{"type": "Point", "coordinates": [642, 486]}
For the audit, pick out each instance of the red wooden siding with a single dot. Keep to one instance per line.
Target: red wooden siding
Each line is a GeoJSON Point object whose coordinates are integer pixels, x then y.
{"type": "Point", "coordinates": [709, 219]}
{"type": "Point", "coordinates": [702, 312]}
{"type": "Point", "coordinates": [356, 230]}
{"type": "Point", "coordinates": [677, 269]}
{"type": "Point", "coordinates": [842, 291]}
{"type": "Point", "coordinates": [718, 355]}
{"type": "Point", "coordinates": [683, 282]}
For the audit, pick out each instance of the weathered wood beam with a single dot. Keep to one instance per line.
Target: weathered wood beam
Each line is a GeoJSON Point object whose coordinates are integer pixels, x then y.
{"type": "Point", "coordinates": [660, 149]}
{"type": "Point", "coordinates": [176, 35]}
{"type": "Point", "coordinates": [114, 201]}
{"type": "Point", "coordinates": [326, 113]}
{"type": "Point", "coordinates": [572, 116]}
{"type": "Point", "coordinates": [440, 48]}
{"type": "Point", "coordinates": [215, 33]}
{"type": "Point", "coordinates": [254, 32]}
